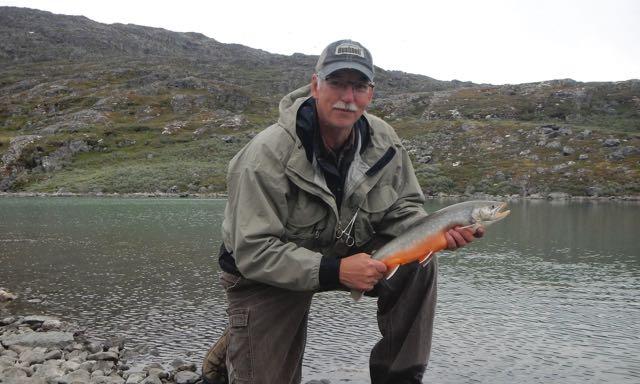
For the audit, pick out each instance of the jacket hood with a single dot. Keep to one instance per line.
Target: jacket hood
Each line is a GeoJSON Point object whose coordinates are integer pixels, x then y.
{"type": "Point", "coordinates": [289, 106]}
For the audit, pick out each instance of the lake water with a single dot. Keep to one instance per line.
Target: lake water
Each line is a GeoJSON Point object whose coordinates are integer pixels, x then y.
{"type": "Point", "coordinates": [551, 294]}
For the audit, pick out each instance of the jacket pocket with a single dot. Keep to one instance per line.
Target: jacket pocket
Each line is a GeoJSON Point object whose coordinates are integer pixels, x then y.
{"type": "Point", "coordinates": [372, 211]}
{"type": "Point", "coordinates": [239, 350]}
{"type": "Point", "coordinates": [306, 221]}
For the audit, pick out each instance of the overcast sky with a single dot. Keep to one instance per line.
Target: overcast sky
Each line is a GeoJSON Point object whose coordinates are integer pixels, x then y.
{"type": "Point", "coordinates": [484, 41]}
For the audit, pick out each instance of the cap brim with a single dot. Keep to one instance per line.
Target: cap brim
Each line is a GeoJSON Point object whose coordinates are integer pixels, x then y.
{"type": "Point", "coordinates": [329, 69]}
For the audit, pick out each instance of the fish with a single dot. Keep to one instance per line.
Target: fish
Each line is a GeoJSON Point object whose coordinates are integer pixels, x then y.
{"type": "Point", "coordinates": [427, 236]}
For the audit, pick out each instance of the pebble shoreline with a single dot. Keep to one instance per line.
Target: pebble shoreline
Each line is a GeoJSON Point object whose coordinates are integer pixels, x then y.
{"type": "Point", "coordinates": [39, 349]}
{"type": "Point", "coordinates": [45, 350]}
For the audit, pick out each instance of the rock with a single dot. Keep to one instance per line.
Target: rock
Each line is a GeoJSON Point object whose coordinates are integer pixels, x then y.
{"type": "Point", "coordinates": [559, 167]}
{"type": "Point", "coordinates": [69, 366]}
{"type": "Point", "coordinates": [34, 320]}
{"type": "Point", "coordinates": [567, 151]}
{"type": "Point", "coordinates": [151, 380]}
{"type": "Point", "coordinates": [6, 362]}
{"type": "Point", "coordinates": [177, 363]}
{"type": "Point", "coordinates": [187, 367]}
{"type": "Point", "coordinates": [173, 127]}
{"type": "Point", "coordinates": [52, 325]}
{"type": "Point", "coordinates": [584, 134]}
{"type": "Point", "coordinates": [8, 320]}
{"type": "Point", "coordinates": [500, 176]}
{"type": "Point", "coordinates": [583, 156]}
{"type": "Point", "coordinates": [76, 377]}
{"type": "Point", "coordinates": [611, 143]}
{"type": "Point", "coordinates": [53, 339]}
{"type": "Point", "coordinates": [56, 354]}
{"type": "Point", "coordinates": [554, 145]}
{"type": "Point", "coordinates": [173, 189]}
{"type": "Point", "coordinates": [88, 365]}
{"type": "Point", "coordinates": [116, 341]}
{"type": "Point", "coordinates": [10, 354]}
{"type": "Point", "coordinates": [33, 356]}
{"type": "Point", "coordinates": [424, 159]}
{"type": "Point", "coordinates": [235, 121]}
{"type": "Point", "coordinates": [159, 372]}
{"type": "Point", "coordinates": [104, 366]}
{"type": "Point", "coordinates": [467, 127]}
{"type": "Point", "coordinates": [61, 156]}
{"type": "Point", "coordinates": [110, 356]}
{"type": "Point", "coordinates": [593, 191]}
{"type": "Point", "coordinates": [186, 377]}
{"type": "Point", "coordinates": [565, 131]}
{"type": "Point", "coordinates": [93, 347]}
{"type": "Point", "coordinates": [77, 354]}
{"type": "Point", "coordinates": [6, 295]}
{"type": "Point", "coordinates": [135, 378]}
{"type": "Point", "coordinates": [558, 195]}
{"type": "Point", "coordinates": [50, 373]}
{"type": "Point", "coordinates": [622, 153]}
{"type": "Point", "coordinates": [114, 379]}
{"type": "Point", "coordinates": [18, 349]}
{"type": "Point", "coordinates": [13, 374]}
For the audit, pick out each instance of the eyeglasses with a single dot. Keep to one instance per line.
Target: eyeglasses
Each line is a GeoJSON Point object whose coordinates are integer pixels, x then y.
{"type": "Point", "coordinates": [359, 87]}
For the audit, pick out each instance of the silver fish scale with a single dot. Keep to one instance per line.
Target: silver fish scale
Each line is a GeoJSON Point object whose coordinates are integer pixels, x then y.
{"type": "Point", "coordinates": [445, 218]}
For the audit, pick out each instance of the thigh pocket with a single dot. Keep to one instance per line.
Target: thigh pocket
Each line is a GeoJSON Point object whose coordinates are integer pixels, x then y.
{"type": "Point", "coordinates": [239, 350]}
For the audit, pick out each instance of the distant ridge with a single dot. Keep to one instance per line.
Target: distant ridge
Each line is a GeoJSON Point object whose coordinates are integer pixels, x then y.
{"type": "Point", "coordinates": [87, 107]}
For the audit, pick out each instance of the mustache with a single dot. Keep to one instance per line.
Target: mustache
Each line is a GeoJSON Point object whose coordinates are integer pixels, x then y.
{"type": "Point", "coordinates": [342, 105]}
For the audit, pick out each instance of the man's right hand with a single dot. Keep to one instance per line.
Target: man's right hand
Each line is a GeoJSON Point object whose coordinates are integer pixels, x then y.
{"type": "Point", "coordinates": [360, 272]}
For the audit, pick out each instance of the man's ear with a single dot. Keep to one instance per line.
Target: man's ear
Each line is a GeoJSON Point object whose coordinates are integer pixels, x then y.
{"type": "Point", "coordinates": [315, 84]}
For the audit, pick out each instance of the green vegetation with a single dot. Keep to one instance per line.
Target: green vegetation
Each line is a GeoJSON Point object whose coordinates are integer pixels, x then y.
{"type": "Point", "coordinates": [147, 114]}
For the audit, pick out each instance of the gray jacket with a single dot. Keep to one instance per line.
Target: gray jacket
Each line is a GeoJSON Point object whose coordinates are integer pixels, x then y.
{"type": "Point", "coordinates": [281, 218]}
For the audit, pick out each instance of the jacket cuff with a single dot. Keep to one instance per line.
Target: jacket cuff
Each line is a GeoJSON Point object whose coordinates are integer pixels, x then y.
{"type": "Point", "coordinates": [329, 274]}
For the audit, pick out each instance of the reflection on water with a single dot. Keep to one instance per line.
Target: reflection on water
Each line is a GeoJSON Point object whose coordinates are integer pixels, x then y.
{"type": "Point", "coordinates": [550, 295]}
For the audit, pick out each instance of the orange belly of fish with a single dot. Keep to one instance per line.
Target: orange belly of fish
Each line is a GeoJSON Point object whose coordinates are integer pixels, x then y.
{"type": "Point", "coordinates": [416, 252]}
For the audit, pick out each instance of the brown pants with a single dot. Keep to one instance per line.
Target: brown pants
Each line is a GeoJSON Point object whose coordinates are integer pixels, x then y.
{"type": "Point", "coordinates": [268, 328]}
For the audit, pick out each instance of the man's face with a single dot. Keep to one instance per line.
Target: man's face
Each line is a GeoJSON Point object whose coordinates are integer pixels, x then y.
{"type": "Point", "coordinates": [341, 98]}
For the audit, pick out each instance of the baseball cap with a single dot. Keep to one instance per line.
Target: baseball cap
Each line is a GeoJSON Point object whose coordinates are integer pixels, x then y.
{"type": "Point", "coordinates": [345, 54]}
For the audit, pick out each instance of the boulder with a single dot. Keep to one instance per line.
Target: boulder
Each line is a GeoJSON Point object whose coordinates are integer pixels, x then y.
{"type": "Point", "coordinates": [53, 339]}
{"type": "Point", "coordinates": [6, 296]}
{"type": "Point", "coordinates": [151, 379]}
{"type": "Point", "coordinates": [611, 143]}
{"type": "Point", "coordinates": [33, 356]}
{"type": "Point", "coordinates": [50, 373]}
{"type": "Point", "coordinates": [623, 153]}
{"type": "Point", "coordinates": [109, 356]}
{"type": "Point", "coordinates": [13, 374]}
{"type": "Point", "coordinates": [135, 378]}
{"type": "Point", "coordinates": [76, 377]}
{"type": "Point", "coordinates": [36, 320]}
{"type": "Point", "coordinates": [186, 377]}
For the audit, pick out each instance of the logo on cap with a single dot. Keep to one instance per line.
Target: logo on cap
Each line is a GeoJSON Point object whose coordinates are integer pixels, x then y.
{"type": "Point", "coordinates": [349, 49]}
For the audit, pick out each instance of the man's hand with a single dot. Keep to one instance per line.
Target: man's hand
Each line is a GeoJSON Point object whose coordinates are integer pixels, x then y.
{"type": "Point", "coordinates": [360, 272]}
{"type": "Point", "coordinates": [459, 237]}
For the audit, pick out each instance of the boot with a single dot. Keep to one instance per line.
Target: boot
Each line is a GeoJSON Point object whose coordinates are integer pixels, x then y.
{"type": "Point", "coordinates": [214, 369]}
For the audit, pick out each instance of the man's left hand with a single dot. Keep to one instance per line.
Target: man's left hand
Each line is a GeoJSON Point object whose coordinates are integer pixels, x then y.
{"type": "Point", "coordinates": [459, 237]}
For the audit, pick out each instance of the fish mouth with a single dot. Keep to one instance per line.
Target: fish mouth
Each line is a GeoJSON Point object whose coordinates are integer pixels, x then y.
{"type": "Point", "coordinates": [498, 212]}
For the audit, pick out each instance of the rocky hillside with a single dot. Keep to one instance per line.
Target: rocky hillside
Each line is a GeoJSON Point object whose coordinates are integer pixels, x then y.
{"type": "Point", "coordinates": [90, 107]}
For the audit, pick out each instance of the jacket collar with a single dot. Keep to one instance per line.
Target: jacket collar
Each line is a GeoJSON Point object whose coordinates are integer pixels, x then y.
{"type": "Point", "coordinates": [310, 178]}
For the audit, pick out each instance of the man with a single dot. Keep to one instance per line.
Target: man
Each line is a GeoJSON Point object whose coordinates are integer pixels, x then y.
{"type": "Point", "coordinates": [310, 198]}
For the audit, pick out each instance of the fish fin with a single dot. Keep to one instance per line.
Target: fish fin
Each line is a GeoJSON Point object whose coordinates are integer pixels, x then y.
{"type": "Point", "coordinates": [426, 259]}
{"type": "Point", "coordinates": [473, 227]}
{"type": "Point", "coordinates": [356, 295]}
{"type": "Point", "coordinates": [392, 272]}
